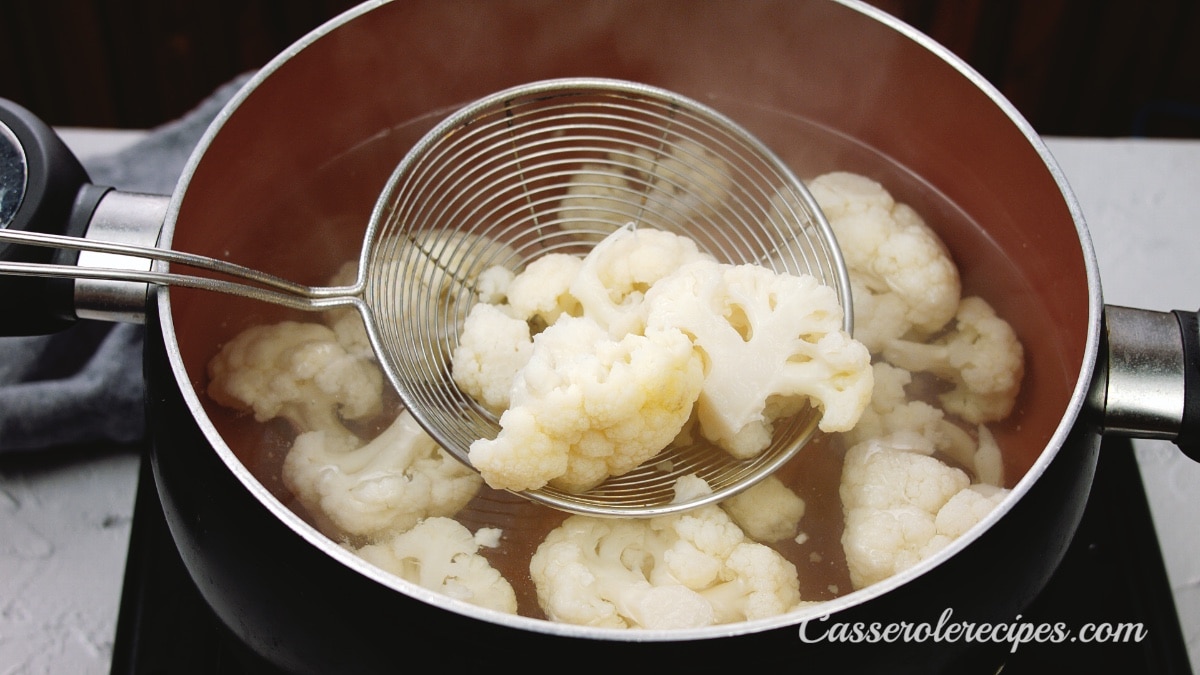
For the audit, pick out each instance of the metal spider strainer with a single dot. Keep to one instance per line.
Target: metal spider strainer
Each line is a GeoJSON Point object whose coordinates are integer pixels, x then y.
{"type": "Point", "coordinates": [554, 166]}
{"type": "Point", "coordinates": [550, 166]}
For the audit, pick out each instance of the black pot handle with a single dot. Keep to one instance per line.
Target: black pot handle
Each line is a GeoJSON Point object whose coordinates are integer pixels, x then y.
{"type": "Point", "coordinates": [43, 188]}
{"type": "Point", "coordinates": [1149, 376]}
{"type": "Point", "coordinates": [1188, 439]}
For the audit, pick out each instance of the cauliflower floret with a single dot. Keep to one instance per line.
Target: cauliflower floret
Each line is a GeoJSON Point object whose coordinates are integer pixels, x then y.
{"type": "Point", "coordinates": [491, 285]}
{"type": "Point", "coordinates": [770, 342]}
{"type": "Point", "coordinates": [980, 355]}
{"type": "Point", "coordinates": [586, 407]}
{"type": "Point", "coordinates": [602, 391]}
{"type": "Point", "coordinates": [891, 411]}
{"type": "Point", "coordinates": [988, 462]}
{"type": "Point", "coordinates": [902, 275]}
{"type": "Point", "coordinates": [615, 275]}
{"type": "Point", "coordinates": [298, 371]}
{"type": "Point", "coordinates": [679, 571]}
{"type": "Point", "coordinates": [767, 511]}
{"type": "Point", "coordinates": [901, 505]}
{"type": "Point", "coordinates": [966, 508]}
{"type": "Point", "coordinates": [492, 348]}
{"type": "Point", "coordinates": [606, 286]}
{"type": "Point", "coordinates": [540, 294]}
{"type": "Point", "coordinates": [442, 555]}
{"type": "Point", "coordinates": [878, 317]}
{"type": "Point", "coordinates": [385, 486]}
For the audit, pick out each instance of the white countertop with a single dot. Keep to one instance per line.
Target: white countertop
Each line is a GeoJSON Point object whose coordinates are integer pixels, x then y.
{"type": "Point", "coordinates": [64, 526]}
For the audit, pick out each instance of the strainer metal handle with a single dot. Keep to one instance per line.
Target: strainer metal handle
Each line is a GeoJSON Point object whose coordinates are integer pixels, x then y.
{"type": "Point", "coordinates": [255, 284]}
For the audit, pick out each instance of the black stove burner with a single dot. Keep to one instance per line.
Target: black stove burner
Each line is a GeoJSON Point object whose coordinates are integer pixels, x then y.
{"type": "Point", "coordinates": [1113, 572]}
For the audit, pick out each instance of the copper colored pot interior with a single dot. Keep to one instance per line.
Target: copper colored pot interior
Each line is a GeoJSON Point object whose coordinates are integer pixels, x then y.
{"type": "Point", "coordinates": [288, 182]}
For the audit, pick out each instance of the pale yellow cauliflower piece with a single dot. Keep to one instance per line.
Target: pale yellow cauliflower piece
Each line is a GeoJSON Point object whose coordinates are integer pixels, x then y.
{"type": "Point", "coordinates": [767, 511]}
{"type": "Point", "coordinates": [615, 276]}
{"type": "Point", "coordinates": [607, 385]}
{"type": "Point", "coordinates": [586, 407]}
{"type": "Point", "coordinates": [540, 294]}
{"type": "Point", "coordinates": [892, 411]}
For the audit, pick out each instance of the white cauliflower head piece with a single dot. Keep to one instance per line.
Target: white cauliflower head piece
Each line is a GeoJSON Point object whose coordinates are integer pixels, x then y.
{"type": "Point", "coordinates": [614, 276]}
{"type": "Point", "coordinates": [586, 407]}
{"type": "Point", "coordinates": [767, 511]}
{"type": "Point", "coordinates": [901, 505]}
{"type": "Point", "coordinates": [492, 349]}
{"type": "Point", "coordinates": [903, 276]}
{"type": "Point", "coordinates": [298, 371]}
{"type": "Point", "coordinates": [684, 570]}
{"type": "Point", "coordinates": [892, 410]}
{"type": "Point", "coordinates": [442, 555]}
{"type": "Point", "coordinates": [380, 488]}
{"type": "Point", "coordinates": [540, 294]}
{"type": "Point", "coordinates": [981, 355]}
{"type": "Point", "coordinates": [771, 343]}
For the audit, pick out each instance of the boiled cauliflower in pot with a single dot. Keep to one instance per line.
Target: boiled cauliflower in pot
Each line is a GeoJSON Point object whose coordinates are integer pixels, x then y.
{"type": "Point", "coordinates": [768, 511]}
{"type": "Point", "coordinates": [384, 486]}
{"type": "Point", "coordinates": [594, 363]}
{"type": "Point", "coordinates": [617, 274]}
{"type": "Point", "coordinates": [902, 276]}
{"type": "Point", "coordinates": [686, 570]}
{"type": "Point", "coordinates": [444, 556]}
{"type": "Point", "coordinates": [980, 355]}
{"type": "Point", "coordinates": [902, 505]}
{"type": "Point", "coordinates": [492, 350]}
{"type": "Point", "coordinates": [892, 410]}
{"type": "Point", "coordinates": [298, 371]}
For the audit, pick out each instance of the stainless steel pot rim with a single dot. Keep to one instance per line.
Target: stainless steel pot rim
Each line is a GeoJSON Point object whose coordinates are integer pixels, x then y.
{"type": "Point", "coordinates": [1076, 405]}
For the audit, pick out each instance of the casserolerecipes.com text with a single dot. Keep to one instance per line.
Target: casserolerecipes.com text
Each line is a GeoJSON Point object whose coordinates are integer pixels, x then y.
{"type": "Point", "coordinates": [946, 629]}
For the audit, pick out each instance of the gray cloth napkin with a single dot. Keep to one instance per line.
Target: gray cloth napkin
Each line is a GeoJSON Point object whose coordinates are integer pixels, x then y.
{"type": "Point", "coordinates": [85, 384]}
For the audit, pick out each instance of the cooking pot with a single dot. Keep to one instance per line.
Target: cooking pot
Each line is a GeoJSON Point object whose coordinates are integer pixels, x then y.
{"type": "Point", "coordinates": [286, 179]}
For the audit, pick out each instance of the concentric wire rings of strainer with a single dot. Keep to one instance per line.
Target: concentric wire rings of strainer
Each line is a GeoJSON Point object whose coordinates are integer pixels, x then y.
{"type": "Point", "coordinates": [554, 166]}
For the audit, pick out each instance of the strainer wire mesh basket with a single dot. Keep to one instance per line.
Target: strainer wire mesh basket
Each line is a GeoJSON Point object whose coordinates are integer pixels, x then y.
{"type": "Point", "coordinates": [553, 167]}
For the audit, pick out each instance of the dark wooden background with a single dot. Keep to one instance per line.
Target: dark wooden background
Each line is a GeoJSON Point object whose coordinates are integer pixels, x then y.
{"type": "Point", "coordinates": [1072, 67]}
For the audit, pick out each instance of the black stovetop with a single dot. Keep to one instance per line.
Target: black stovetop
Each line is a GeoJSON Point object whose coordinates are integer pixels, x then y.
{"type": "Point", "coordinates": [1113, 572]}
